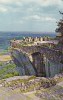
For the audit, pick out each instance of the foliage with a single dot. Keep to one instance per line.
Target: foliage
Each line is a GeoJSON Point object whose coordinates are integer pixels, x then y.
{"type": "Point", "coordinates": [60, 26]}
{"type": "Point", "coordinates": [8, 71]}
{"type": "Point", "coordinates": [10, 66]}
{"type": "Point", "coordinates": [1, 63]}
{"type": "Point", "coordinates": [11, 74]}
{"type": "Point", "coordinates": [3, 52]}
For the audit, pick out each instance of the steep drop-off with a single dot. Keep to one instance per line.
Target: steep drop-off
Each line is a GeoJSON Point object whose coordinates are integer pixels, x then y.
{"type": "Point", "coordinates": [23, 63]}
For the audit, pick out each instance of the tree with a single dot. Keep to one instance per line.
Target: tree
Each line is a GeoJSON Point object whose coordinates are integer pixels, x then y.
{"type": "Point", "coordinates": [60, 25]}
{"type": "Point", "coordinates": [59, 30]}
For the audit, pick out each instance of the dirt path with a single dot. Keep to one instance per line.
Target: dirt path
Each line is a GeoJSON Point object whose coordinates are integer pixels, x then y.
{"type": "Point", "coordinates": [5, 57]}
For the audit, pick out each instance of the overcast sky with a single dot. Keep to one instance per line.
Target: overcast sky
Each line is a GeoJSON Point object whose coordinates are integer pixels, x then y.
{"type": "Point", "coordinates": [30, 15]}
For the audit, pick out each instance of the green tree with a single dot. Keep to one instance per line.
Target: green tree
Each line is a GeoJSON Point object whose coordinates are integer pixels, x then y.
{"type": "Point", "coordinates": [59, 29]}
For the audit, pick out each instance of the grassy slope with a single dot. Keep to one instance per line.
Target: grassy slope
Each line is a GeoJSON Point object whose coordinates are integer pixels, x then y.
{"type": "Point", "coordinates": [7, 70]}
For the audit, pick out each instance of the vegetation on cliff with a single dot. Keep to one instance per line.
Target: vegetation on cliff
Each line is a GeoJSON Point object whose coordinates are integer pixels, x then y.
{"type": "Point", "coordinates": [7, 70]}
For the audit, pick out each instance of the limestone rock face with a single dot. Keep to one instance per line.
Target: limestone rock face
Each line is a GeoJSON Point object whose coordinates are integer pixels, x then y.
{"type": "Point", "coordinates": [38, 63]}
{"type": "Point", "coordinates": [22, 61]}
{"type": "Point", "coordinates": [28, 66]}
{"type": "Point", "coordinates": [37, 59]}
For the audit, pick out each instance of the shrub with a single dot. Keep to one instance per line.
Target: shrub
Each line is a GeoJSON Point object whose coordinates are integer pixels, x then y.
{"type": "Point", "coordinates": [1, 63]}
{"type": "Point", "coordinates": [11, 74]}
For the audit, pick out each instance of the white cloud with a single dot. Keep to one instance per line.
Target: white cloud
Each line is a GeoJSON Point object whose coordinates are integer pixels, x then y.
{"type": "Point", "coordinates": [40, 18]}
{"type": "Point", "coordinates": [10, 9]}
{"type": "Point", "coordinates": [36, 17]}
{"type": "Point", "coordinates": [49, 2]}
{"type": "Point", "coordinates": [5, 1]}
{"type": "Point", "coordinates": [8, 1]}
{"type": "Point", "coordinates": [3, 9]}
{"type": "Point", "coordinates": [50, 19]}
{"type": "Point", "coordinates": [41, 2]}
{"type": "Point", "coordinates": [20, 3]}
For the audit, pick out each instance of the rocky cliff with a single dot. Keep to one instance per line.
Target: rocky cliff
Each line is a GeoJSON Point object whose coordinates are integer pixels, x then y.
{"type": "Point", "coordinates": [37, 63]}
{"type": "Point", "coordinates": [24, 65]}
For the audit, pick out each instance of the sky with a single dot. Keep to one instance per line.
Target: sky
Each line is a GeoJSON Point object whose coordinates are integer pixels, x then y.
{"type": "Point", "coordinates": [30, 15]}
